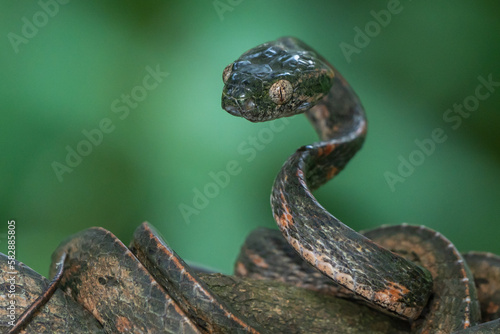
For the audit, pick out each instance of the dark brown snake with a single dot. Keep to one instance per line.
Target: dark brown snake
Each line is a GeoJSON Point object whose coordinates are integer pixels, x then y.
{"type": "Point", "coordinates": [409, 272]}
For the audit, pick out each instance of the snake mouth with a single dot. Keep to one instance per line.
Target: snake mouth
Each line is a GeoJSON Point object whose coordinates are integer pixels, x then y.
{"type": "Point", "coordinates": [235, 111]}
{"type": "Point", "coordinates": [239, 107]}
{"type": "Point", "coordinates": [231, 105]}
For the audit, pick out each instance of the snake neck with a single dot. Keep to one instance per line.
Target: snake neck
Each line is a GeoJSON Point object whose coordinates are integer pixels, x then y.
{"type": "Point", "coordinates": [390, 283]}
{"type": "Point", "coordinates": [340, 122]}
{"type": "Point", "coordinates": [339, 115]}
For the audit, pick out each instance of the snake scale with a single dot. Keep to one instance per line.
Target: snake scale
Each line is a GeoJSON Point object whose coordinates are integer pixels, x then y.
{"type": "Point", "coordinates": [402, 278]}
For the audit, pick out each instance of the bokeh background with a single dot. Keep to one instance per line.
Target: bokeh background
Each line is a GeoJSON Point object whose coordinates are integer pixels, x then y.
{"type": "Point", "coordinates": [62, 78]}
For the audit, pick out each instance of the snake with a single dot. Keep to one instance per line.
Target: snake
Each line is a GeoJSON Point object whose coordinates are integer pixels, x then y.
{"type": "Point", "coordinates": [399, 275]}
{"type": "Point", "coordinates": [286, 77]}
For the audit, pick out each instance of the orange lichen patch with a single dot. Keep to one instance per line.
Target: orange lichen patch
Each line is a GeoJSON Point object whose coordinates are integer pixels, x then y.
{"type": "Point", "coordinates": [240, 269]}
{"type": "Point", "coordinates": [492, 308]}
{"type": "Point", "coordinates": [308, 256]}
{"type": "Point", "coordinates": [345, 280]}
{"type": "Point", "coordinates": [332, 172]}
{"type": "Point", "coordinates": [283, 199]}
{"type": "Point", "coordinates": [329, 148]}
{"type": "Point", "coordinates": [325, 150]}
{"type": "Point", "coordinates": [326, 268]}
{"type": "Point", "coordinates": [257, 260]}
{"type": "Point", "coordinates": [123, 324]}
{"type": "Point", "coordinates": [285, 220]}
{"type": "Point", "coordinates": [392, 294]}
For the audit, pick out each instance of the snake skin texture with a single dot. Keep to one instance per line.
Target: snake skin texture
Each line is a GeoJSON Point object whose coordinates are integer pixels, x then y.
{"type": "Point", "coordinates": [190, 292]}
{"type": "Point", "coordinates": [28, 286]}
{"type": "Point", "coordinates": [266, 255]}
{"type": "Point", "coordinates": [399, 285]}
{"type": "Point", "coordinates": [453, 305]}
{"type": "Point", "coordinates": [389, 282]}
{"type": "Point", "coordinates": [100, 267]}
{"type": "Point", "coordinates": [277, 303]}
{"type": "Point", "coordinates": [486, 270]}
{"type": "Point", "coordinates": [398, 279]}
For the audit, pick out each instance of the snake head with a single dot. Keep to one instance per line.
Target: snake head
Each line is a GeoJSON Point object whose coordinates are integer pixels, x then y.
{"type": "Point", "coordinates": [275, 79]}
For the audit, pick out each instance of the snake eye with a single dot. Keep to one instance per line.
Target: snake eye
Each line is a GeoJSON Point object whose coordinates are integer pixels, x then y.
{"type": "Point", "coordinates": [281, 91]}
{"type": "Point", "coordinates": [227, 72]}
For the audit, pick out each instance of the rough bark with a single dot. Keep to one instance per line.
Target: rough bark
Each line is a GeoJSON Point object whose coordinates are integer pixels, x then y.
{"type": "Point", "coordinates": [282, 308]}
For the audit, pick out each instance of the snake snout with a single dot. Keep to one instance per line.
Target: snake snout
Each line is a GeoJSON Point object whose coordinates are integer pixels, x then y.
{"type": "Point", "coordinates": [235, 111]}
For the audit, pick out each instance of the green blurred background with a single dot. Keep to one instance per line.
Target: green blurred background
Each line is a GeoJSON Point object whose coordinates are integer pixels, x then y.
{"type": "Point", "coordinates": [64, 78]}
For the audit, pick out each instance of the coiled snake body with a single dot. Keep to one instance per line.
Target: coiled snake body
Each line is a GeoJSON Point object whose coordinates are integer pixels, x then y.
{"type": "Point", "coordinates": [287, 77]}
{"type": "Point", "coordinates": [408, 272]}
{"type": "Point", "coordinates": [350, 259]}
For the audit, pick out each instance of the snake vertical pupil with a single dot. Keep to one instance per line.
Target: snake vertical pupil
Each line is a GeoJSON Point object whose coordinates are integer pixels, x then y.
{"type": "Point", "coordinates": [281, 92]}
